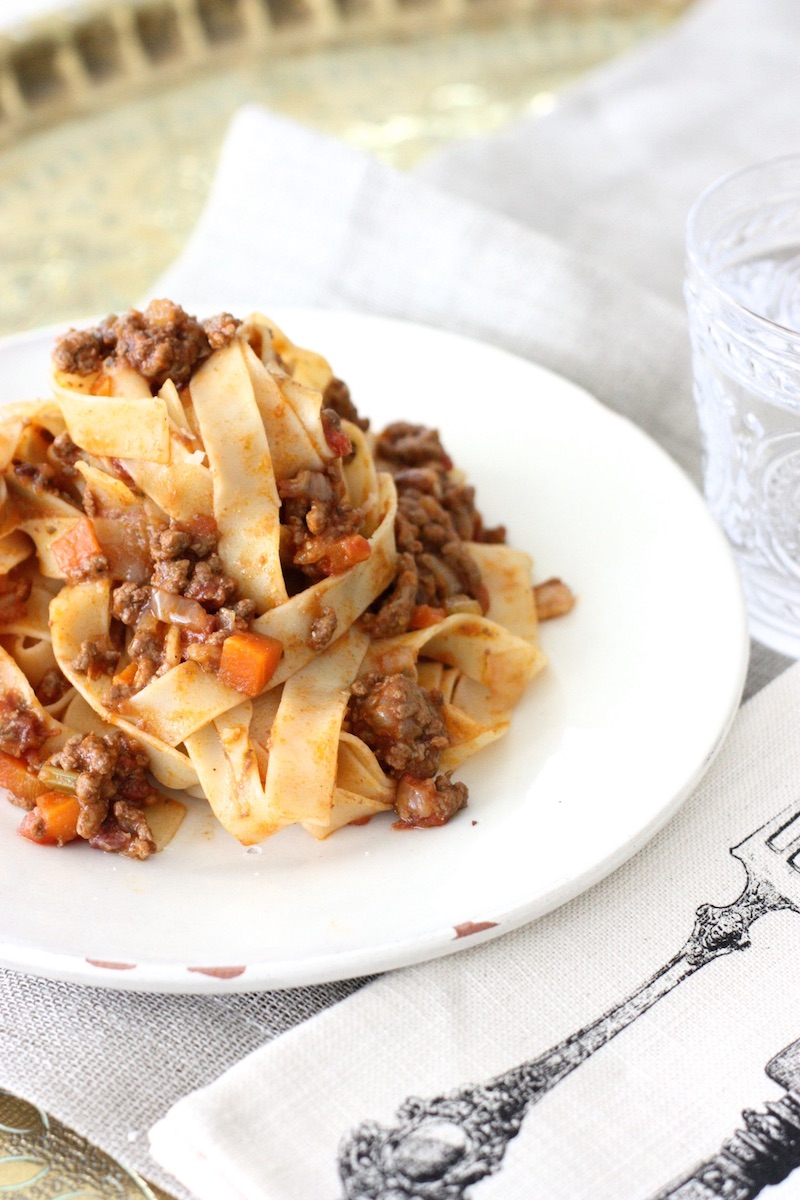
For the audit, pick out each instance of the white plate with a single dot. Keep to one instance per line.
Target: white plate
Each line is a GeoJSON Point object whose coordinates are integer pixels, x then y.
{"type": "Point", "coordinates": [644, 678]}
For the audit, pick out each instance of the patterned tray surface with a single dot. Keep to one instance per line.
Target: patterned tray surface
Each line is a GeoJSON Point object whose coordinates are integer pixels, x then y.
{"type": "Point", "coordinates": [77, 236]}
{"type": "Point", "coordinates": [40, 1159]}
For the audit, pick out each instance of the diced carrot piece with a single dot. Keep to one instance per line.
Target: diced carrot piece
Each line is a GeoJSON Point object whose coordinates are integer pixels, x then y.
{"type": "Point", "coordinates": [248, 661]}
{"type": "Point", "coordinates": [101, 386]}
{"type": "Point", "coordinates": [54, 820]}
{"type": "Point", "coordinates": [126, 676]}
{"type": "Point", "coordinates": [75, 550]}
{"type": "Point", "coordinates": [423, 615]}
{"type": "Point", "coordinates": [21, 782]}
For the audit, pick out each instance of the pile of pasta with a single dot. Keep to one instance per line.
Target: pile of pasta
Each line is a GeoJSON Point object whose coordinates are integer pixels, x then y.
{"type": "Point", "coordinates": [277, 751]}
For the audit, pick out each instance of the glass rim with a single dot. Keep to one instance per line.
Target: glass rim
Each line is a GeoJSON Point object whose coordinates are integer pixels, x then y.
{"type": "Point", "coordinates": [699, 265]}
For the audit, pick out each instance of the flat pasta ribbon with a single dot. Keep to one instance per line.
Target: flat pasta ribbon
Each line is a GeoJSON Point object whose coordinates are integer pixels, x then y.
{"type": "Point", "coordinates": [197, 548]}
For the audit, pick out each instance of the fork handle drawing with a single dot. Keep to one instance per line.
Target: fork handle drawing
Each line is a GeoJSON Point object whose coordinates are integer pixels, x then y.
{"type": "Point", "coordinates": [442, 1146]}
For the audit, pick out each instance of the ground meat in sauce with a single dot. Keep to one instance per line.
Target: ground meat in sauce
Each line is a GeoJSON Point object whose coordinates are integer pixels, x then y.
{"type": "Point", "coordinates": [337, 396]}
{"type": "Point", "coordinates": [111, 788]}
{"type": "Point", "coordinates": [51, 687]}
{"type": "Point", "coordinates": [22, 730]}
{"type": "Point", "coordinates": [93, 567]}
{"type": "Point", "coordinates": [41, 476]}
{"type": "Point", "coordinates": [436, 515]}
{"type": "Point", "coordinates": [184, 563]}
{"type": "Point", "coordinates": [14, 592]}
{"type": "Point", "coordinates": [315, 512]}
{"type": "Point", "coordinates": [401, 723]}
{"type": "Point", "coordinates": [426, 803]}
{"type": "Point", "coordinates": [209, 584]}
{"type": "Point", "coordinates": [65, 454]}
{"type": "Point", "coordinates": [146, 652]}
{"type": "Point", "coordinates": [197, 538]}
{"type": "Point", "coordinates": [416, 458]}
{"type": "Point", "coordinates": [434, 565]}
{"type": "Point", "coordinates": [397, 605]}
{"type": "Point", "coordinates": [406, 445]}
{"type": "Point", "coordinates": [161, 343]}
{"type": "Point", "coordinates": [125, 831]}
{"type": "Point", "coordinates": [127, 602]}
{"type": "Point", "coordinates": [96, 657]}
{"type": "Point", "coordinates": [322, 628]}
{"type": "Point", "coordinates": [459, 501]}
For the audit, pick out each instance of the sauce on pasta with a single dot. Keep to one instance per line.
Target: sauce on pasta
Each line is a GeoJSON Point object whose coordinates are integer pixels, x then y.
{"type": "Point", "coordinates": [215, 579]}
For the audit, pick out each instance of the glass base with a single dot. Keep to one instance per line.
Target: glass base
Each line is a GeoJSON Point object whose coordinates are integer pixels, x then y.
{"type": "Point", "coordinates": [784, 641]}
{"type": "Point", "coordinates": [772, 599]}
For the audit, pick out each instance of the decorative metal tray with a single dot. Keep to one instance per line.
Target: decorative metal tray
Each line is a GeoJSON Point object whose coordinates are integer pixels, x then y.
{"type": "Point", "coordinates": [111, 133]}
{"type": "Point", "coordinates": [40, 1159]}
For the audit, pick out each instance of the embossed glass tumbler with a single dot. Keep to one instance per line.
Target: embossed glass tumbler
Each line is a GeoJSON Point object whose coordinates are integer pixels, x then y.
{"type": "Point", "coordinates": [743, 297]}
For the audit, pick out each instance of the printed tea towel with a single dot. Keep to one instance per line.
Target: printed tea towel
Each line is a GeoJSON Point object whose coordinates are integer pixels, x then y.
{"type": "Point", "coordinates": [608, 1050]}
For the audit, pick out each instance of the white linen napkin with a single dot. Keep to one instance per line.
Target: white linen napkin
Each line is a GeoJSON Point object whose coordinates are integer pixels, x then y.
{"type": "Point", "coordinates": [298, 219]}
{"type": "Point", "coordinates": [637, 1115]}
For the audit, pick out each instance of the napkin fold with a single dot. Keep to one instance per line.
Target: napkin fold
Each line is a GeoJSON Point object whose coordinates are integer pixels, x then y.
{"type": "Point", "coordinates": [613, 169]}
{"type": "Point", "coordinates": [334, 228]}
{"type": "Point", "coordinates": [298, 219]}
{"type": "Point", "coordinates": [640, 1113]}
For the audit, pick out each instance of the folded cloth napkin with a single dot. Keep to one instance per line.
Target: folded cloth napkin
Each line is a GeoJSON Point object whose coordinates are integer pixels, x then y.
{"type": "Point", "coordinates": [297, 219]}
{"type": "Point", "coordinates": [639, 1113]}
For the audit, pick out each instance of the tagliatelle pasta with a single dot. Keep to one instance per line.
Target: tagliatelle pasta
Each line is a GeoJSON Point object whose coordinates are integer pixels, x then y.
{"type": "Point", "coordinates": [216, 580]}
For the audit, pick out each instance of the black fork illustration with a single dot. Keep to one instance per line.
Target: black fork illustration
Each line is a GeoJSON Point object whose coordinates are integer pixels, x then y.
{"type": "Point", "coordinates": [761, 1154]}
{"type": "Point", "coordinates": [441, 1146]}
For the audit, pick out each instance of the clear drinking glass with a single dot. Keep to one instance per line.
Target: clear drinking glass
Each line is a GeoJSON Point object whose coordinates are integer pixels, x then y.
{"type": "Point", "coordinates": [743, 297]}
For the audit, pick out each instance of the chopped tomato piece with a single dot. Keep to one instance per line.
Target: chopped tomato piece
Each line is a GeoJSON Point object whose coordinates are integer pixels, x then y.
{"type": "Point", "coordinates": [201, 525]}
{"type": "Point", "coordinates": [248, 661]}
{"type": "Point", "coordinates": [54, 820]}
{"type": "Point", "coordinates": [77, 550]}
{"type": "Point", "coordinates": [335, 436]}
{"type": "Point", "coordinates": [344, 554]}
{"type": "Point", "coordinates": [423, 615]}
{"type": "Point", "coordinates": [333, 557]}
{"type": "Point", "coordinates": [22, 784]}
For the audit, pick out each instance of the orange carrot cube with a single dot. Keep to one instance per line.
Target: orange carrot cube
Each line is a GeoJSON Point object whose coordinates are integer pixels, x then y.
{"type": "Point", "coordinates": [248, 661]}
{"type": "Point", "coordinates": [16, 777]}
{"type": "Point", "coordinates": [54, 820]}
{"type": "Point", "coordinates": [77, 550]}
{"type": "Point", "coordinates": [423, 615]}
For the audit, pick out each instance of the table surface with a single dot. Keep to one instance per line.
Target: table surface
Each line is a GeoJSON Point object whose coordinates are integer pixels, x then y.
{"type": "Point", "coordinates": [94, 207]}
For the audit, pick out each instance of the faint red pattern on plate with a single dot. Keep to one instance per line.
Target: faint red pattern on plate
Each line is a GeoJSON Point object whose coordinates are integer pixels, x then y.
{"type": "Point", "coordinates": [470, 927]}
{"type": "Point", "coordinates": [218, 972]}
{"type": "Point", "coordinates": [111, 966]}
